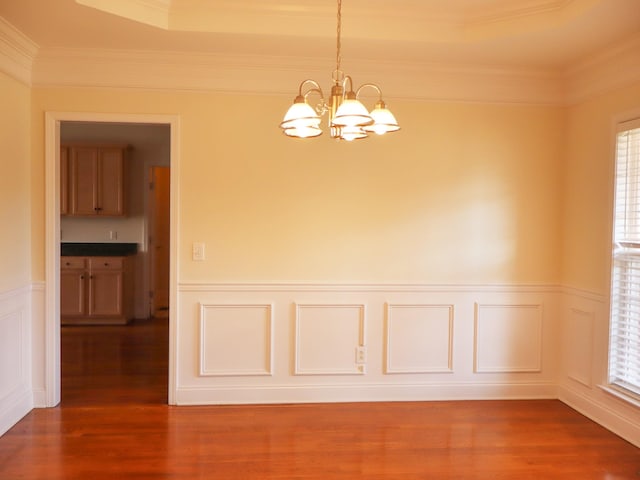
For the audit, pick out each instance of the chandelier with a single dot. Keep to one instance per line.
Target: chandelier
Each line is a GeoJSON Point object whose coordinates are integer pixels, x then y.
{"type": "Point", "coordinates": [348, 118]}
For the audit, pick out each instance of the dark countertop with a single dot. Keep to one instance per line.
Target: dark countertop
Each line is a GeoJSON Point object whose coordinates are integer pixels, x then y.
{"type": "Point", "coordinates": [98, 249]}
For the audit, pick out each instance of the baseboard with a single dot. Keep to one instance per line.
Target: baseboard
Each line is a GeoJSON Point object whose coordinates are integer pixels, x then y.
{"type": "Point", "coordinates": [39, 398]}
{"type": "Point", "coordinates": [363, 393]}
{"type": "Point", "coordinates": [612, 419]}
{"type": "Point", "coordinates": [14, 408]}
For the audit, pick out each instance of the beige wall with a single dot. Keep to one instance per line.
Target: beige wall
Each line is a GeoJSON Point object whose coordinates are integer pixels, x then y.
{"type": "Point", "coordinates": [465, 193]}
{"type": "Point", "coordinates": [588, 193]}
{"type": "Point", "coordinates": [15, 215]}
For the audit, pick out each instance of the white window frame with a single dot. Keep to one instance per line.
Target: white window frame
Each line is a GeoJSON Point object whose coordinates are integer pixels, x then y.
{"type": "Point", "coordinates": [624, 319]}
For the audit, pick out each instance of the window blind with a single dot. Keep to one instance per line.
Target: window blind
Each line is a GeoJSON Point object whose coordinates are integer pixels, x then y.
{"type": "Point", "coordinates": [624, 330]}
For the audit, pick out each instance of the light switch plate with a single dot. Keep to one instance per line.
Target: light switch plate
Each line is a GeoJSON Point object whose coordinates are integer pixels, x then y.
{"type": "Point", "coordinates": [198, 251]}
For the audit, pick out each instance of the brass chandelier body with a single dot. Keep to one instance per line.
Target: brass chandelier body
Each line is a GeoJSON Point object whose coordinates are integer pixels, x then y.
{"type": "Point", "coordinates": [348, 117]}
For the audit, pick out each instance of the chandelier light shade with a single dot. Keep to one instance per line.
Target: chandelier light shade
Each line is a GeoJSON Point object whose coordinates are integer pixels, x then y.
{"type": "Point", "coordinates": [383, 120]}
{"type": "Point", "coordinates": [348, 118]}
{"type": "Point", "coordinates": [301, 120]}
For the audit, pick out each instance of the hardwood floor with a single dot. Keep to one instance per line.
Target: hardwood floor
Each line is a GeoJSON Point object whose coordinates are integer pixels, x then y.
{"type": "Point", "coordinates": [115, 364]}
{"type": "Point", "coordinates": [113, 424]}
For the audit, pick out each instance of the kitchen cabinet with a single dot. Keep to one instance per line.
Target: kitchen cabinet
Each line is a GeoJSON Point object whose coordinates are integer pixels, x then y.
{"type": "Point", "coordinates": [96, 290]}
{"type": "Point", "coordinates": [94, 183]}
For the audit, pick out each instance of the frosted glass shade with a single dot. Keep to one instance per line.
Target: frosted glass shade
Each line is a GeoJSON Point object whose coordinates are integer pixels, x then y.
{"type": "Point", "coordinates": [303, 132]}
{"type": "Point", "coordinates": [383, 121]}
{"type": "Point", "coordinates": [351, 113]}
{"type": "Point", "coordinates": [351, 133]}
{"type": "Point", "coordinates": [300, 115]}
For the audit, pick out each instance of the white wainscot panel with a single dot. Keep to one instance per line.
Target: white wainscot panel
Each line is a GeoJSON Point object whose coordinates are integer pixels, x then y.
{"type": "Point", "coordinates": [508, 338]}
{"type": "Point", "coordinates": [579, 346]}
{"type": "Point", "coordinates": [328, 338]}
{"type": "Point", "coordinates": [419, 338]}
{"type": "Point", "coordinates": [235, 339]}
{"type": "Point", "coordinates": [12, 344]}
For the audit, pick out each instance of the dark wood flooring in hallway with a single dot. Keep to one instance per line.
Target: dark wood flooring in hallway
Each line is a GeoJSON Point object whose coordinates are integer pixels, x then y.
{"type": "Point", "coordinates": [113, 423]}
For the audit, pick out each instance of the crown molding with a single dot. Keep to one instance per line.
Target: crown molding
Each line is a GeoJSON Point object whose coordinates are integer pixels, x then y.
{"type": "Point", "coordinates": [509, 11]}
{"type": "Point", "coordinates": [281, 75]}
{"type": "Point", "coordinates": [610, 69]}
{"type": "Point", "coordinates": [150, 12]}
{"type": "Point", "coordinates": [17, 52]}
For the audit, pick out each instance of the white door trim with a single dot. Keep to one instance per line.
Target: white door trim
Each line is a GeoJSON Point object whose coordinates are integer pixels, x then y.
{"type": "Point", "coordinates": [52, 239]}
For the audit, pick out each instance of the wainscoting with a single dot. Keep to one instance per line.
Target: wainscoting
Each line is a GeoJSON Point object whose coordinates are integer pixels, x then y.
{"type": "Point", "coordinates": [329, 343]}
{"type": "Point", "coordinates": [299, 343]}
{"type": "Point", "coordinates": [583, 372]}
{"type": "Point", "coordinates": [16, 398]}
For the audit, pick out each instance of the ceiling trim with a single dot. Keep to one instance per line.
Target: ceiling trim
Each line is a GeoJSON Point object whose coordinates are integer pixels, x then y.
{"type": "Point", "coordinates": [508, 11]}
{"type": "Point", "coordinates": [150, 12]}
{"type": "Point", "coordinates": [22, 59]}
{"type": "Point", "coordinates": [17, 52]}
{"type": "Point", "coordinates": [281, 75]}
{"type": "Point", "coordinates": [610, 69]}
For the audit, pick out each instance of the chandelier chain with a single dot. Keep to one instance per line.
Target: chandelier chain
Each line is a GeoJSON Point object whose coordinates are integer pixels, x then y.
{"type": "Point", "coordinates": [338, 34]}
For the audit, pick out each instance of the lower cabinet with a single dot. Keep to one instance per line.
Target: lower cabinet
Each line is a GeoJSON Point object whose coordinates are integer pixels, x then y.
{"type": "Point", "coordinates": [96, 290]}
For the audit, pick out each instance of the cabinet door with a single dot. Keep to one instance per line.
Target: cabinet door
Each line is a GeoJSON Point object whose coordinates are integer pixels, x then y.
{"type": "Point", "coordinates": [72, 292]}
{"type": "Point", "coordinates": [110, 181]}
{"type": "Point", "coordinates": [106, 286]}
{"type": "Point", "coordinates": [83, 165]}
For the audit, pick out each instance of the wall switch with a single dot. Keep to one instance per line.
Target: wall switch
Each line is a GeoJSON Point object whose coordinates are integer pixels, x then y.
{"type": "Point", "coordinates": [113, 235]}
{"type": "Point", "coordinates": [361, 354]}
{"type": "Point", "coordinates": [198, 251]}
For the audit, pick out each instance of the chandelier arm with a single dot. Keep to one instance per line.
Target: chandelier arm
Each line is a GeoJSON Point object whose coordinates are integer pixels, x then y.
{"type": "Point", "coordinates": [316, 87]}
{"type": "Point", "coordinates": [344, 83]}
{"type": "Point", "coordinates": [370, 85]}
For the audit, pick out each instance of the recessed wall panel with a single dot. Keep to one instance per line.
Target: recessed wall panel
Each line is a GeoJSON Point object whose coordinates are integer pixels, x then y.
{"type": "Point", "coordinates": [579, 348]}
{"type": "Point", "coordinates": [508, 338]}
{"type": "Point", "coordinates": [327, 337]}
{"type": "Point", "coordinates": [235, 339]}
{"type": "Point", "coordinates": [11, 352]}
{"type": "Point", "coordinates": [419, 338]}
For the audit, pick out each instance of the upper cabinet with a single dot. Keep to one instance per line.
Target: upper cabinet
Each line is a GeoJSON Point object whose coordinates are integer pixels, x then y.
{"type": "Point", "coordinates": [93, 183]}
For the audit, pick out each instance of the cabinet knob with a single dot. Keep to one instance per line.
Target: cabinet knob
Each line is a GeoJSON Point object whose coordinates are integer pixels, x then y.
{"type": "Point", "coordinates": [106, 264]}
{"type": "Point", "coordinates": [68, 263]}
{"type": "Point", "coordinates": [81, 277]}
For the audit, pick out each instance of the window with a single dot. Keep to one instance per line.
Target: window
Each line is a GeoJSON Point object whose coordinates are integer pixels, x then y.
{"type": "Point", "coordinates": [624, 330]}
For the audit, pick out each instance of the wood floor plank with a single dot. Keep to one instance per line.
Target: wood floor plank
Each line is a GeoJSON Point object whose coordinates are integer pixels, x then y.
{"type": "Point", "coordinates": [126, 431]}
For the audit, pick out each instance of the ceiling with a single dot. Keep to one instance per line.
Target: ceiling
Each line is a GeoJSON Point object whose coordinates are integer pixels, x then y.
{"type": "Point", "coordinates": [548, 36]}
{"type": "Point", "coordinates": [540, 33]}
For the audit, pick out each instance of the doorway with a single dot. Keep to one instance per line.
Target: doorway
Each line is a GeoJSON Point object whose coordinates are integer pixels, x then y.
{"type": "Point", "coordinates": [103, 362]}
{"type": "Point", "coordinates": [54, 123]}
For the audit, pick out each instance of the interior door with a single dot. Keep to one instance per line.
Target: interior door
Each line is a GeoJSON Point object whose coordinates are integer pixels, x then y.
{"type": "Point", "coordinates": [159, 196]}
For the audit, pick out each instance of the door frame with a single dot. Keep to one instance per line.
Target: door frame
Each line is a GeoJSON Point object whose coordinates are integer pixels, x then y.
{"type": "Point", "coordinates": [52, 239]}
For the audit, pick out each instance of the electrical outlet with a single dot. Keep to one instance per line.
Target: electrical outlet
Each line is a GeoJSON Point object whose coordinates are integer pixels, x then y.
{"type": "Point", "coordinates": [361, 354]}
{"type": "Point", "coordinates": [198, 251]}
{"type": "Point", "coordinates": [113, 235]}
